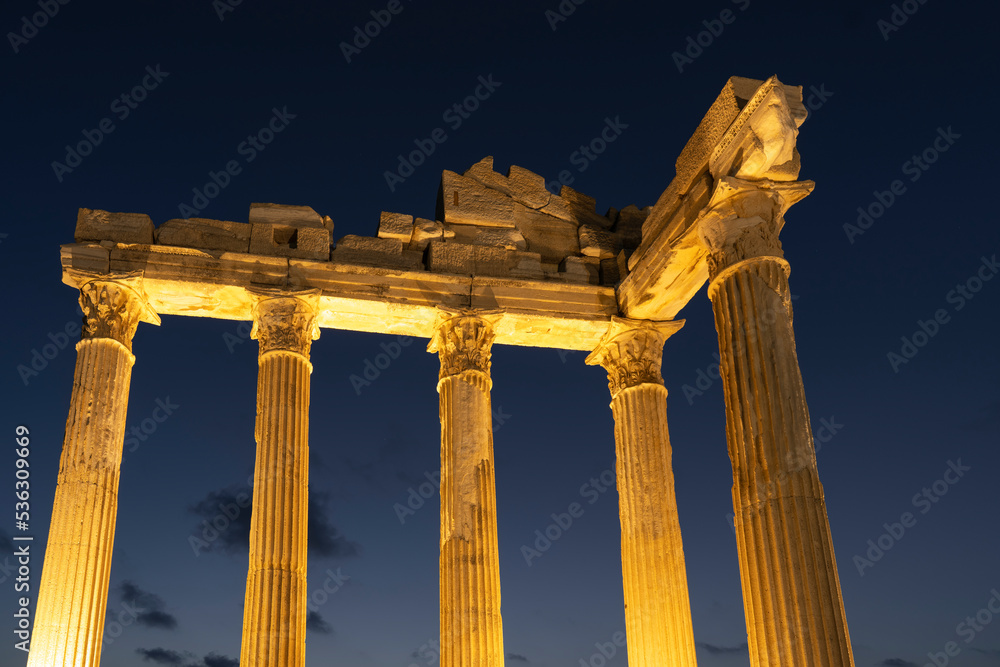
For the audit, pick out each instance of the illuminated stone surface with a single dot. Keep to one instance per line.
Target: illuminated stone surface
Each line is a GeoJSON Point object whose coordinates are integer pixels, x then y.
{"type": "Point", "coordinates": [563, 276]}
{"type": "Point", "coordinates": [657, 608]}
{"type": "Point", "coordinates": [73, 591]}
{"type": "Point", "coordinates": [471, 627]}
{"type": "Point", "coordinates": [274, 613]}
{"type": "Point", "coordinates": [791, 591]}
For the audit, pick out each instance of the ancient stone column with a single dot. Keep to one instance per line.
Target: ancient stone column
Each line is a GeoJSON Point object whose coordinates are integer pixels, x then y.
{"type": "Point", "coordinates": [791, 591]}
{"type": "Point", "coordinates": [657, 609]}
{"type": "Point", "coordinates": [73, 591]}
{"type": "Point", "coordinates": [274, 613]}
{"type": "Point", "coordinates": [471, 627]}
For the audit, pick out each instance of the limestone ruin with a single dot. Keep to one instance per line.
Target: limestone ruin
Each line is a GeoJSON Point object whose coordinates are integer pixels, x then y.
{"type": "Point", "coordinates": [507, 262]}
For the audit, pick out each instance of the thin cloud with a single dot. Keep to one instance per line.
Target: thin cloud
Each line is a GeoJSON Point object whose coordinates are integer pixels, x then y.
{"type": "Point", "coordinates": [723, 650]}
{"type": "Point", "coordinates": [324, 539]}
{"type": "Point", "coordinates": [897, 662]}
{"type": "Point", "coordinates": [517, 657]}
{"type": "Point", "coordinates": [316, 623]}
{"type": "Point", "coordinates": [153, 613]}
{"type": "Point", "coordinates": [216, 660]}
{"type": "Point", "coordinates": [161, 656]}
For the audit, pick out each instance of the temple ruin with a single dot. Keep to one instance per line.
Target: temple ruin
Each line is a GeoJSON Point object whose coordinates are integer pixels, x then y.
{"type": "Point", "coordinates": [504, 262]}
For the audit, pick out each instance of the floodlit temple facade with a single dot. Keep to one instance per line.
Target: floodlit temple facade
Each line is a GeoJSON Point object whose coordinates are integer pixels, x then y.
{"type": "Point", "coordinates": [504, 262]}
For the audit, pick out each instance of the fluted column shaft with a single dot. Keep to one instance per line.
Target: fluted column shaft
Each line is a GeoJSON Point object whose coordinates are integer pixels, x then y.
{"type": "Point", "coordinates": [657, 608]}
{"type": "Point", "coordinates": [73, 591]}
{"type": "Point", "coordinates": [471, 626]}
{"type": "Point", "coordinates": [791, 590]}
{"type": "Point", "coordinates": [274, 613]}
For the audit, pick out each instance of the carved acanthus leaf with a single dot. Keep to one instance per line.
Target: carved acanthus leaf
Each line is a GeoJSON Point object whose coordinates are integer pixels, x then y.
{"type": "Point", "coordinates": [632, 352]}
{"type": "Point", "coordinates": [285, 320]}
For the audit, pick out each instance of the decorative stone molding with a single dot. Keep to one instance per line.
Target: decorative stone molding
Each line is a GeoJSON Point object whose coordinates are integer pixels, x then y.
{"type": "Point", "coordinates": [760, 143]}
{"type": "Point", "coordinates": [463, 339]}
{"type": "Point", "coordinates": [113, 304]}
{"type": "Point", "coordinates": [285, 320]}
{"type": "Point", "coordinates": [632, 352]}
{"type": "Point", "coordinates": [743, 219]}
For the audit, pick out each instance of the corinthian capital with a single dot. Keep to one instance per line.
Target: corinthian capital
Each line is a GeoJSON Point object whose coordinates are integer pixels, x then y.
{"type": "Point", "coordinates": [285, 320]}
{"type": "Point", "coordinates": [632, 352]}
{"type": "Point", "coordinates": [113, 304]}
{"type": "Point", "coordinates": [743, 219]}
{"type": "Point", "coordinates": [463, 340]}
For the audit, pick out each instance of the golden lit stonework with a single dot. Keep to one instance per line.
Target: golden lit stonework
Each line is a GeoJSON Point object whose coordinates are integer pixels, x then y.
{"type": "Point", "coordinates": [507, 263]}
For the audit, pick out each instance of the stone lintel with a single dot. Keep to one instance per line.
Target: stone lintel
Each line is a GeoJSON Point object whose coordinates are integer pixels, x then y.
{"type": "Point", "coordinates": [184, 281]}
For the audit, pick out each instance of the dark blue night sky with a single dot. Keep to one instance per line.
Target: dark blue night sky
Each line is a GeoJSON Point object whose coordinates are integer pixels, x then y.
{"type": "Point", "coordinates": [894, 273]}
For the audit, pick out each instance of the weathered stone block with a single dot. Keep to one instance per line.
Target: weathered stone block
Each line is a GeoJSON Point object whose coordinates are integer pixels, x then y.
{"type": "Point", "coordinates": [205, 234]}
{"type": "Point", "coordinates": [527, 187]}
{"type": "Point", "coordinates": [580, 270]}
{"type": "Point", "coordinates": [528, 265]}
{"type": "Point", "coordinates": [395, 226]}
{"type": "Point", "coordinates": [628, 226]}
{"type": "Point", "coordinates": [98, 225]}
{"type": "Point", "coordinates": [598, 243]}
{"type": "Point", "coordinates": [477, 260]}
{"type": "Point", "coordinates": [583, 208]}
{"type": "Point", "coordinates": [614, 270]}
{"type": "Point", "coordinates": [290, 241]}
{"type": "Point", "coordinates": [425, 231]}
{"type": "Point", "coordinates": [284, 214]}
{"type": "Point", "coordinates": [467, 201]}
{"type": "Point", "coordinates": [86, 257]}
{"type": "Point", "coordinates": [499, 237]}
{"type": "Point", "coordinates": [549, 236]}
{"type": "Point", "coordinates": [370, 251]}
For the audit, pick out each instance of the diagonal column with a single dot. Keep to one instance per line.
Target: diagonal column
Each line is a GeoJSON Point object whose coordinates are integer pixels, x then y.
{"type": "Point", "coordinates": [471, 627]}
{"type": "Point", "coordinates": [73, 591]}
{"type": "Point", "coordinates": [274, 613]}
{"type": "Point", "coordinates": [657, 608]}
{"type": "Point", "coordinates": [791, 590]}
